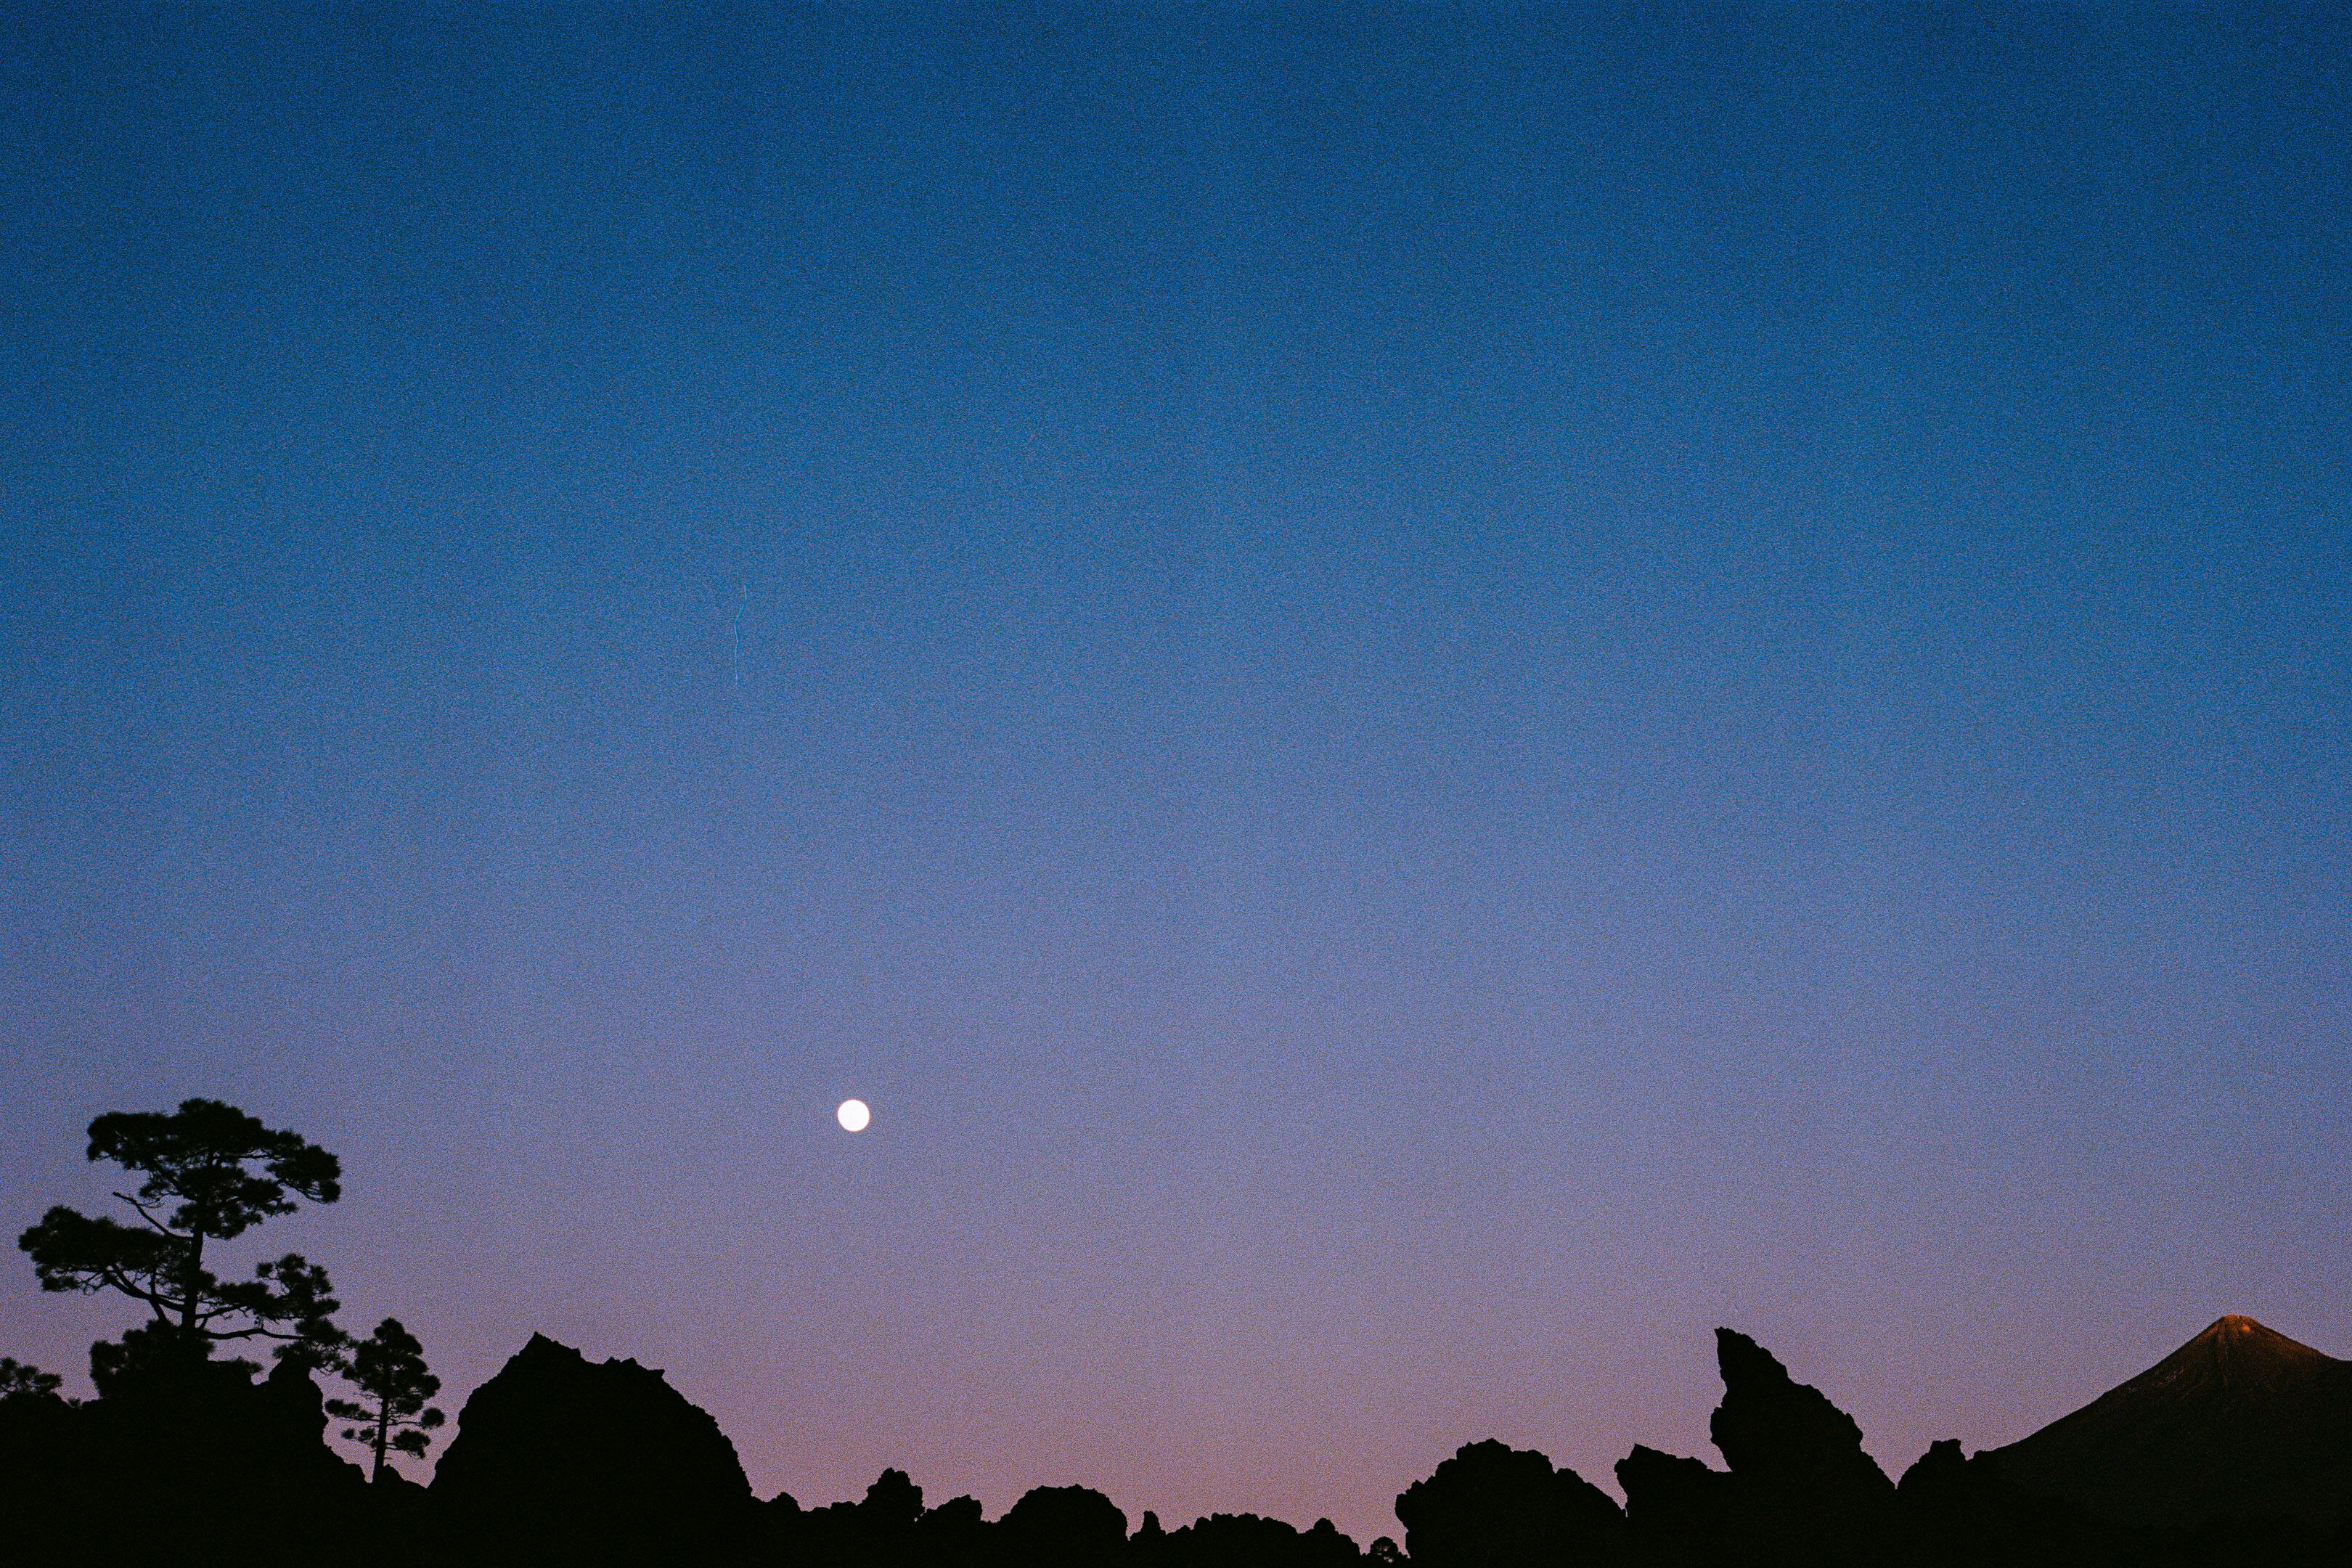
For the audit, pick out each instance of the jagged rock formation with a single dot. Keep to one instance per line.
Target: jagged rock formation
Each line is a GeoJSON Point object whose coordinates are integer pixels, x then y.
{"type": "Point", "coordinates": [1799, 1489]}
{"type": "Point", "coordinates": [559, 1458]}
{"type": "Point", "coordinates": [1491, 1506]}
{"type": "Point", "coordinates": [1779, 1434]}
{"type": "Point", "coordinates": [1243, 1541]}
{"type": "Point", "coordinates": [1678, 1509]}
{"type": "Point", "coordinates": [2240, 1422]}
{"type": "Point", "coordinates": [1250, 1541]}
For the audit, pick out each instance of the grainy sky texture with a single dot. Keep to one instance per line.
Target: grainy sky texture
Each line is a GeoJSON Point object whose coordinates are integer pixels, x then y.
{"type": "Point", "coordinates": [1427, 697]}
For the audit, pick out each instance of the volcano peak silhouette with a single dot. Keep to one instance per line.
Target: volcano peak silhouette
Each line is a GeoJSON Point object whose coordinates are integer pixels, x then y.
{"type": "Point", "coordinates": [2234, 1358]}
{"type": "Point", "coordinates": [2240, 1422]}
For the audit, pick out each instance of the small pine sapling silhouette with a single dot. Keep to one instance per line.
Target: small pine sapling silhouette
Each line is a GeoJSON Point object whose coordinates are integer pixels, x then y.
{"type": "Point", "coordinates": [388, 1368]}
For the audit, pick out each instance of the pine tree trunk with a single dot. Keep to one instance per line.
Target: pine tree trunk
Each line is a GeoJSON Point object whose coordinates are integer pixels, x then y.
{"type": "Point", "coordinates": [188, 1302]}
{"type": "Point", "coordinates": [383, 1436]}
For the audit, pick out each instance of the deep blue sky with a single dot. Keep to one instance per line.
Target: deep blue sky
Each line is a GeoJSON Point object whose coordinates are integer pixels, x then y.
{"type": "Point", "coordinates": [1428, 698]}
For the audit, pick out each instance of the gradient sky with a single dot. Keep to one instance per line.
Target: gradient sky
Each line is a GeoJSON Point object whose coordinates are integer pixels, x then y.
{"type": "Point", "coordinates": [1428, 698]}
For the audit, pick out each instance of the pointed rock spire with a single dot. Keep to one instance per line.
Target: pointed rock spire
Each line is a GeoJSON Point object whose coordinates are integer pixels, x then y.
{"type": "Point", "coordinates": [1786, 1434]}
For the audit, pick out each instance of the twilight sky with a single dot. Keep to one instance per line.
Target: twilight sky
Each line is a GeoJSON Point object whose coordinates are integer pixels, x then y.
{"type": "Point", "coordinates": [1428, 698]}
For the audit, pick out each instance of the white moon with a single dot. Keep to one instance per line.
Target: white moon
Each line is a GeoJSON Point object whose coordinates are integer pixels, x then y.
{"type": "Point", "coordinates": [853, 1116]}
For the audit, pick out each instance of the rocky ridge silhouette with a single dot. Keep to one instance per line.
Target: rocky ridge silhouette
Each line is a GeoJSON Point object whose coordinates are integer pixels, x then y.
{"type": "Point", "coordinates": [602, 1464]}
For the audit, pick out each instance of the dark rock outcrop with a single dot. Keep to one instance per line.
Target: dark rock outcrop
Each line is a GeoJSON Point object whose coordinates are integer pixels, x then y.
{"type": "Point", "coordinates": [1799, 1489]}
{"type": "Point", "coordinates": [1062, 1527]}
{"type": "Point", "coordinates": [1779, 1434]}
{"type": "Point", "coordinates": [889, 1527]}
{"type": "Point", "coordinates": [557, 1458]}
{"type": "Point", "coordinates": [1241, 1540]}
{"type": "Point", "coordinates": [1678, 1509]}
{"type": "Point", "coordinates": [1491, 1506]}
{"type": "Point", "coordinates": [192, 1463]}
{"type": "Point", "coordinates": [1952, 1511]}
{"type": "Point", "coordinates": [953, 1533]}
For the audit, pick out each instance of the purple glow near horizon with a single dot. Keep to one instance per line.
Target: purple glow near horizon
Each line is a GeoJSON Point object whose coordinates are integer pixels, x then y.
{"type": "Point", "coordinates": [1425, 705]}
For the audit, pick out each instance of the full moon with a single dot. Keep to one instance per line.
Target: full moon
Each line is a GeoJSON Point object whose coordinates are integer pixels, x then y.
{"type": "Point", "coordinates": [853, 1116]}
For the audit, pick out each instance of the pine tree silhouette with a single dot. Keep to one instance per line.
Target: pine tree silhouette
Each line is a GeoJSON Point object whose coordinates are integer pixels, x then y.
{"type": "Point", "coordinates": [212, 1172]}
{"type": "Point", "coordinates": [388, 1368]}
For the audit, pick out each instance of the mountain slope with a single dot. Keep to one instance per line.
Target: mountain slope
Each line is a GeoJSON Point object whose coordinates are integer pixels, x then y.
{"type": "Point", "coordinates": [2241, 1421]}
